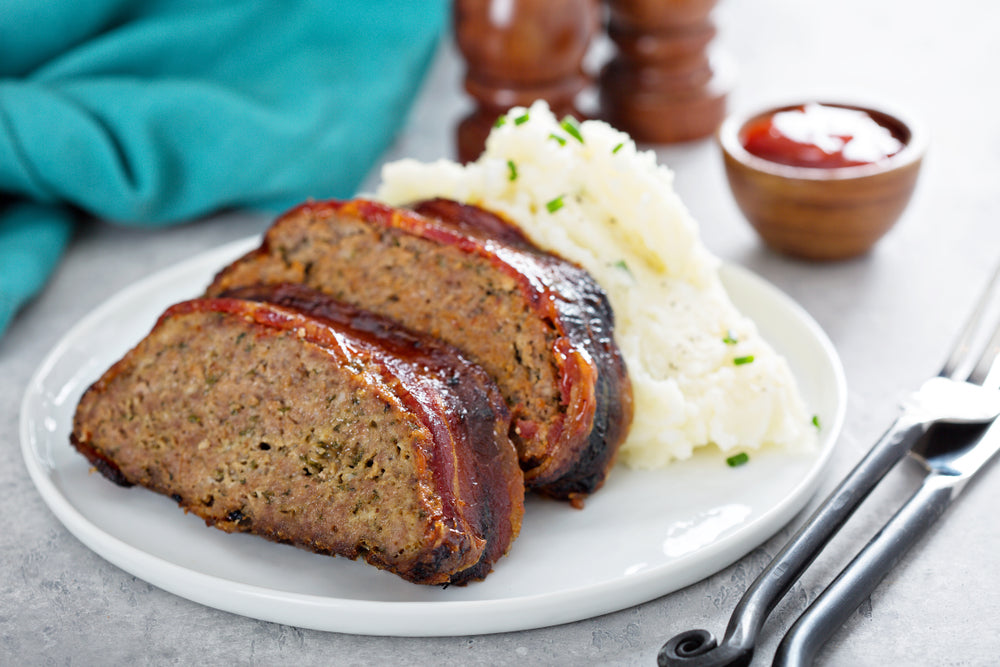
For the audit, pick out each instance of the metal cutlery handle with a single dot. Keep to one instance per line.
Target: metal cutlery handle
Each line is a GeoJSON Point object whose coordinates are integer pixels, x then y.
{"type": "Point", "coordinates": [846, 593]}
{"type": "Point", "coordinates": [698, 648]}
{"type": "Point", "coordinates": [951, 461]}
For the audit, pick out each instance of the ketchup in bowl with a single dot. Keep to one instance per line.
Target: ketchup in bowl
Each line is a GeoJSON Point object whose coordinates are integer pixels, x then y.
{"type": "Point", "coordinates": [819, 136]}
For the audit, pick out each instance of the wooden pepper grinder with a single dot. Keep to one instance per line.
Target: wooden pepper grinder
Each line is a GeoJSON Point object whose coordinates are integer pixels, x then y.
{"type": "Point", "coordinates": [660, 87]}
{"type": "Point", "coordinates": [519, 51]}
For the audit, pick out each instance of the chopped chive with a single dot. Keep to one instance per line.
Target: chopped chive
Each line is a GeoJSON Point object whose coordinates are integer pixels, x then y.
{"type": "Point", "coordinates": [572, 128]}
{"type": "Point", "coordinates": [513, 170]}
{"type": "Point", "coordinates": [555, 204]}
{"type": "Point", "coordinates": [739, 361]}
{"type": "Point", "coordinates": [561, 140]}
{"type": "Point", "coordinates": [500, 121]}
{"type": "Point", "coordinates": [815, 421]}
{"type": "Point", "coordinates": [620, 264]}
{"type": "Point", "coordinates": [730, 339]}
{"type": "Point", "coordinates": [521, 120]}
{"type": "Point", "coordinates": [617, 148]}
{"type": "Point", "coordinates": [737, 459]}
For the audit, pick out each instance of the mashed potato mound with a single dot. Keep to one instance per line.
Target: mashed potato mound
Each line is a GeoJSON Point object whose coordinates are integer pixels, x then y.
{"type": "Point", "coordinates": [586, 193]}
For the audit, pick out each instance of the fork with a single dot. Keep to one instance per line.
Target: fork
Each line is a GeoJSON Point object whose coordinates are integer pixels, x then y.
{"type": "Point", "coordinates": [944, 399]}
{"type": "Point", "coordinates": [951, 460]}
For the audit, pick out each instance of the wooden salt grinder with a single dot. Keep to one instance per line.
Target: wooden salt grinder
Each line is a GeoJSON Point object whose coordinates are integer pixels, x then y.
{"type": "Point", "coordinates": [519, 51]}
{"type": "Point", "coordinates": [660, 87]}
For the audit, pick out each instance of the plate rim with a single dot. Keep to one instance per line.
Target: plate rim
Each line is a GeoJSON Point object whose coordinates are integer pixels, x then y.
{"type": "Point", "coordinates": [439, 618]}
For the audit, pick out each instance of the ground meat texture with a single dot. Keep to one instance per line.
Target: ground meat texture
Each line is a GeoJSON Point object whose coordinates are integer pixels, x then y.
{"type": "Point", "coordinates": [266, 419]}
{"type": "Point", "coordinates": [538, 325]}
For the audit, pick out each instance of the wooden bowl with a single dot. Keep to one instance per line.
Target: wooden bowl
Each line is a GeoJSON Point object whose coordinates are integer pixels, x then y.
{"type": "Point", "coordinates": [822, 213]}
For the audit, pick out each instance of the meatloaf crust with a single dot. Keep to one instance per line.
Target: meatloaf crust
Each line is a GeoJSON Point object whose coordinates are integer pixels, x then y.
{"type": "Point", "coordinates": [333, 430]}
{"type": "Point", "coordinates": [540, 326]}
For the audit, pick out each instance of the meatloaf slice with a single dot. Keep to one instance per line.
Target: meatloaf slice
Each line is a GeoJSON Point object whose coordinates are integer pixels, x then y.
{"type": "Point", "coordinates": [540, 326]}
{"type": "Point", "coordinates": [332, 430]}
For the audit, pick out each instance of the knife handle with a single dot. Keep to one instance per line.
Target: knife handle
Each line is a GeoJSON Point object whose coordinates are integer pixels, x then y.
{"type": "Point", "coordinates": [856, 582]}
{"type": "Point", "coordinates": [699, 648]}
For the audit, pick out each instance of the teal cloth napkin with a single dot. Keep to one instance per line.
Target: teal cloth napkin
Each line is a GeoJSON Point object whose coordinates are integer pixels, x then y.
{"type": "Point", "coordinates": [149, 113]}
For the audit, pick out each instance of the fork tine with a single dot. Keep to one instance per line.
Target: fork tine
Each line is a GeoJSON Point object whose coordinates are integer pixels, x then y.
{"type": "Point", "coordinates": [987, 370]}
{"type": "Point", "coordinates": [961, 351]}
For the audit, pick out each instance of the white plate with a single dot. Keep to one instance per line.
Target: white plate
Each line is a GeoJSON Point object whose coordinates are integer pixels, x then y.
{"type": "Point", "coordinates": [647, 533]}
